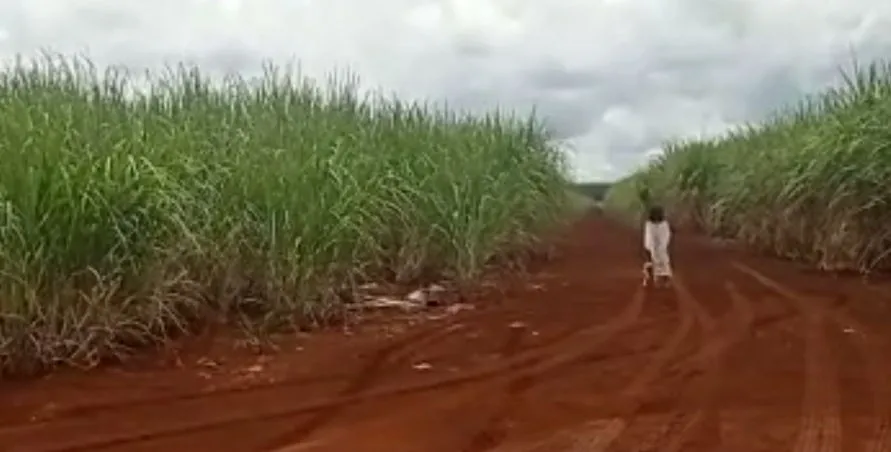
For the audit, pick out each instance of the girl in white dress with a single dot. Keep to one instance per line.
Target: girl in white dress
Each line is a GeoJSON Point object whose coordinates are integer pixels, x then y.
{"type": "Point", "coordinates": [657, 236]}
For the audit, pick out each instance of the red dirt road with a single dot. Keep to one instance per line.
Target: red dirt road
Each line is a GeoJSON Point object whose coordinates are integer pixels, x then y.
{"type": "Point", "coordinates": [742, 354]}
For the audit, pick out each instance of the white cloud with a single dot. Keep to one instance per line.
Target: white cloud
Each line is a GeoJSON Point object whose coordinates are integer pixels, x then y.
{"type": "Point", "coordinates": [614, 77]}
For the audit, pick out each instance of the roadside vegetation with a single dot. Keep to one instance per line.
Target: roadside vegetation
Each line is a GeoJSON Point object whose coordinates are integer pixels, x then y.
{"type": "Point", "coordinates": [811, 183]}
{"type": "Point", "coordinates": [593, 190]}
{"type": "Point", "coordinates": [128, 216]}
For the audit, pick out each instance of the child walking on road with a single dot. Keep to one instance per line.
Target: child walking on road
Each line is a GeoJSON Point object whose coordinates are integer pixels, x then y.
{"type": "Point", "coordinates": [657, 236]}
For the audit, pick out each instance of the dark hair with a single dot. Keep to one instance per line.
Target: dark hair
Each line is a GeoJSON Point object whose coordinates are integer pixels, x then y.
{"type": "Point", "coordinates": [656, 214]}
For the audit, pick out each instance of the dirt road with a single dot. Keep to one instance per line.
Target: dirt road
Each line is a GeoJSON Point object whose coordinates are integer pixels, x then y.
{"type": "Point", "coordinates": [742, 354]}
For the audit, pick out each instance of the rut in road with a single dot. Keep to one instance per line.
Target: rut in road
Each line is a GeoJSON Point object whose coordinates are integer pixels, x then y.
{"type": "Point", "coordinates": [820, 427]}
{"type": "Point", "coordinates": [96, 440]}
{"type": "Point", "coordinates": [492, 432]}
{"type": "Point", "coordinates": [698, 407]}
{"type": "Point", "coordinates": [870, 346]}
{"type": "Point", "coordinates": [655, 434]}
{"type": "Point", "coordinates": [600, 436]}
{"type": "Point", "coordinates": [695, 410]}
{"type": "Point", "coordinates": [393, 357]}
{"type": "Point", "coordinates": [670, 432]}
{"type": "Point", "coordinates": [373, 370]}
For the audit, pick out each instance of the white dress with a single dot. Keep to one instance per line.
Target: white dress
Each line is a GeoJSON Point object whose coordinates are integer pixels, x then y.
{"type": "Point", "coordinates": [656, 238]}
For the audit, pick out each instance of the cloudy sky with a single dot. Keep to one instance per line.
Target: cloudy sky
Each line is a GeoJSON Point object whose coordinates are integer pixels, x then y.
{"type": "Point", "coordinates": [613, 77]}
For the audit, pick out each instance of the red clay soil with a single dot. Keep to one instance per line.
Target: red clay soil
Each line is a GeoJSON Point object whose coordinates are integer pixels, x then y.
{"type": "Point", "coordinates": [741, 354]}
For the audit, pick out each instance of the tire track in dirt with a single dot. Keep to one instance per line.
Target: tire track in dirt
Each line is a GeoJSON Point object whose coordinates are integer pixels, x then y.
{"type": "Point", "coordinates": [870, 348]}
{"type": "Point", "coordinates": [206, 418]}
{"type": "Point", "coordinates": [877, 368]}
{"type": "Point", "coordinates": [820, 426]}
{"type": "Point", "coordinates": [707, 367]}
{"type": "Point", "coordinates": [392, 350]}
{"type": "Point", "coordinates": [371, 372]}
{"type": "Point", "coordinates": [676, 431]}
{"type": "Point", "coordinates": [878, 373]}
{"type": "Point", "coordinates": [613, 429]}
{"type": "Point", "coordinates": [201, 421]}
{"type": "Point", "coordinates": [592, 436]}
{"type": "Point", "coordinates": [535, 361]}
{"type": "Point", "coordinates": [493, 430]}
{"type": "Point", "coordinates": [535, 368]}
{"type": "Point", "coordinates": [879, 378]}
{"type": "Point", "coordinates": [670, 432]}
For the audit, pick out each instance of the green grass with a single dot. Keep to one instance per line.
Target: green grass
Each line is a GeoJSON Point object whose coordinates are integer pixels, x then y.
{"type": "Point", "coordinates": [811, 183]}
{"type": "Point", "coordinates": [126, 219]}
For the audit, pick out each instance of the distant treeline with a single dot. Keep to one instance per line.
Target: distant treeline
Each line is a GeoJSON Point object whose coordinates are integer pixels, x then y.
{"type": "Point", "coordinates": [595, 190]}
